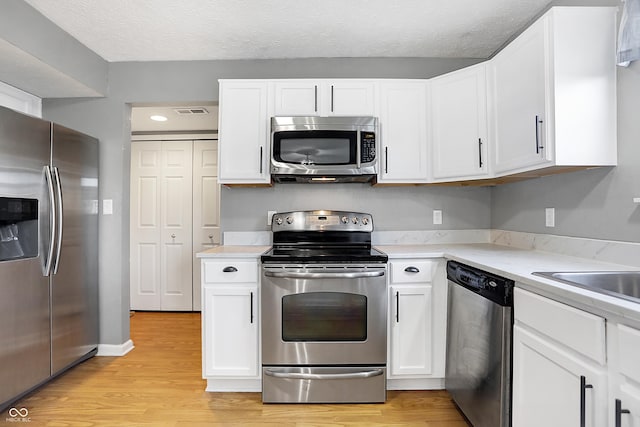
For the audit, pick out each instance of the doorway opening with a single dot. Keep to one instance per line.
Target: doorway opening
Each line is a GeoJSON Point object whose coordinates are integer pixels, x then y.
{"type": "Point", "coordinates": [174, 202]}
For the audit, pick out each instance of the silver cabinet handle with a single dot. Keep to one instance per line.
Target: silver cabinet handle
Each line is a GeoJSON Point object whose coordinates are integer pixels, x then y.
{"type": "Point", "coordinates": [251, 309]}
{"type": "Point", "coordinates": [386, 159]}
{"type": "Point", "coordinates": [315, 98]}
{"type": "Point", "coordinates": [412, 269]}
{"type": "Point", "coordinates": [397, 306]}
{"type": "Point", "coordinates": [480, 151]}
{"type": "Point", "coordinates": [261, 156]}
{"type": "Point", "coordinates": [210, 236]}
{"type": "Point", "coordinates": [229, 269]}
{"type": "Point", "coordinates": [173, 236]}
{"type": "Point", "coordinates": [295, 275]}
{"type": "Point", "coordinates": [303, 376]}
{"type": "Point", "coordinates": [538, 146]}
{"type": "Point", "coordinates": [332, 101]}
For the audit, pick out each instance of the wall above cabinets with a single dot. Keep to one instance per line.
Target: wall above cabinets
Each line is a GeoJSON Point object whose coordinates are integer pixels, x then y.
{"type": "Point", "coordinates": [545, 104]}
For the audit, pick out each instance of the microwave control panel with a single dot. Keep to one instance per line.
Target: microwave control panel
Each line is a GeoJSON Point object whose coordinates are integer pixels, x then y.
{"type": "Point", "coordinates": [368, 147]}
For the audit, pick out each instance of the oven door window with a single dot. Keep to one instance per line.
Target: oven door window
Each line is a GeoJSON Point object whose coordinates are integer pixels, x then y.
{"type": "Point", "coordinates": [324, 316]}
{"type": "Point", "coordinates": [315, 147]}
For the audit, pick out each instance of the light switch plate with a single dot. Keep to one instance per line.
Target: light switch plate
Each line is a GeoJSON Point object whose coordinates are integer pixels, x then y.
{"type": "Point", "coordinates": [107, 207]}
{"type": "Point", "coordinates": [550, 217]}
{"type": "Point", "coordinates": [437, 217]}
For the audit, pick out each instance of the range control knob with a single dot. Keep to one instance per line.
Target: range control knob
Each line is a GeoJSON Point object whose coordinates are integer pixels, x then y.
{"type": "Point", "coordinates": [344, 219]}
{"type": "Point", "coordinates": [365, 221]}
{"type": "Point", "coordinates": [278, 221]}
{"type": "Point", "coordinates": [354, 219]}
{"type": "Point", "coordinates": [289, 220]}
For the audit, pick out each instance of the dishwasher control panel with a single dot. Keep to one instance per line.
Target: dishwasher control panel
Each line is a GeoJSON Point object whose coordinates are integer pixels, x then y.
{"type": "Point", "coordinates": [497, 289]}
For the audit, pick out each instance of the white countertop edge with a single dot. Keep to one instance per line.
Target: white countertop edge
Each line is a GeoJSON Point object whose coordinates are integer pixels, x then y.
{"type": "Point", "coordinates": [234, 251]}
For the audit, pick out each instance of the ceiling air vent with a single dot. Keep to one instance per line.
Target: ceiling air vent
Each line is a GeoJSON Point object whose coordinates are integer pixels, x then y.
{"type": "Point", "coordinates": [190, 111]}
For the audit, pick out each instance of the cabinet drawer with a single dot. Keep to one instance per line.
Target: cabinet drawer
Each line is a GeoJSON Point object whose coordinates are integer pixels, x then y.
{"type": "Point", "coordinates": [629, 349]}
{"type": "Point", "coordinates": [237, 271]}
{"type": "Point", "coordinates": [581, 331]}
{"type": "Point", "coordinates": [405, 271]}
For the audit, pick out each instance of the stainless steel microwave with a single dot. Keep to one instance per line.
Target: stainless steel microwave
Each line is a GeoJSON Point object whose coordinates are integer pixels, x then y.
{"type": "Point", "coordinates": [323, 149]}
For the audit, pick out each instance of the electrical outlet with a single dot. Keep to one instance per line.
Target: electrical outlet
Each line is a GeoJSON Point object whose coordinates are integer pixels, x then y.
{"type": "Point", "coordinates": [437, 217]}
{"type": "Point", "coordinates": [550, 217]}
{"type": "Point", "coordinates": [270, 216]}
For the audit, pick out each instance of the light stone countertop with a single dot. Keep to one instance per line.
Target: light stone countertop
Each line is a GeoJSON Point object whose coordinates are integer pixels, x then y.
{"type": "Point", "coordinates": [513, 263]}
{"type": "Point", "coordinates": [519, 264]}
{"type": "Point", "coordinates": [234, 251]}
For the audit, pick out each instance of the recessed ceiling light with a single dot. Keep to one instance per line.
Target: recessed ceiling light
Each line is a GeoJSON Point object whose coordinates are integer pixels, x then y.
{"type": "Point", "coordinates": [158, 118]}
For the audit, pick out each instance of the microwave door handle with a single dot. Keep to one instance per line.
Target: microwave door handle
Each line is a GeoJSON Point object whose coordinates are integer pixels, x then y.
{"type": "Point", "coordinates": [358, 148]}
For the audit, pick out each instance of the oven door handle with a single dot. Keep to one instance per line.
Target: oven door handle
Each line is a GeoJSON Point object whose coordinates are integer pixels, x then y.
{"type": "Point", "coordinates": [341, 275]}
{"type": "Point", "coordinates": [303, 376]}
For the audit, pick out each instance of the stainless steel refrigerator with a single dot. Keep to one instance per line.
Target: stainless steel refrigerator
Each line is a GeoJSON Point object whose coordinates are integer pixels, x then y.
{"type": "Point", "coordinates": [48, 251]}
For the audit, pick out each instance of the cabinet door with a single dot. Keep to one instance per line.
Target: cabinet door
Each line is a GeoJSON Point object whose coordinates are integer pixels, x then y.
{"type": "Point", "coordinates": [624, 355]}
{"type": "Point", "coordinates": [519, 93]}
{"type": "Point", "coordinates": [403, 125]}
{"type": "Point", "coordinates": [459, 124]}
{"type": "Point", "coordinates": [547, 385]}
{"type": "Point", "coordinates": [230, 341]}
{"type": "Point", "coordinates": [297, 98]}
{"type": "Point", "coordinates": [411, 328]}
{"type": "Point", "coordinates": [351, 98]}
{"type": "Point", "coordinates": [243, 138]}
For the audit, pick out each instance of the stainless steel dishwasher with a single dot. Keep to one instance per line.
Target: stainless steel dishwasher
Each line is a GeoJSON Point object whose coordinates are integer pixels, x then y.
{"type": "Point", "coordinates": [479, 344]}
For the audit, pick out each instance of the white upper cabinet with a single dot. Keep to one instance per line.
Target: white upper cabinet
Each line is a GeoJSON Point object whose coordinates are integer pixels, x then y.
{"type": "Point", "coordinates": [403, 129]}
{"type": "Point", "coordinates": [302, 97]}
{"type": "Point", "coordinates": [458, 109]}
{"type": "Point", "coordinates": [243, 136]}
{"type": "Point", "coordinates": [554, 93]}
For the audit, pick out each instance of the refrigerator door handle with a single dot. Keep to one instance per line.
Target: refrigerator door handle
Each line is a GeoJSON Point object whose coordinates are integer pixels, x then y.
{"type": "Point", "coordinates": [53, 223]}
{"type": "Point", "coordinates": [59, 206]}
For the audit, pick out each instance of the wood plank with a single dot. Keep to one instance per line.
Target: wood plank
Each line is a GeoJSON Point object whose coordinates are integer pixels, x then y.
{"type": "Point", "coordinates": [159, 383]}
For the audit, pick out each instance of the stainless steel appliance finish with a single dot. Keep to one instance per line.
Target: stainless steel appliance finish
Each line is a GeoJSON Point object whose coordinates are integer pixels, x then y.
{"type": "Point", "coordinates": [324, 310]}
{"type": "Point", "coordinates": [479, 344]}
{"type": "Point", "coordinates": [48, 296]}
{"type": "Point", "coordinates": [323, 149]}
{"type": "Point", "coordinates": [619, 284]}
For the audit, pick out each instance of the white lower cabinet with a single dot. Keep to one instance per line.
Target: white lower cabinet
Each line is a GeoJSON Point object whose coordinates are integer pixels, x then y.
{"type": "Point", "coordinates": [230, 325]}
{"type": "Point", "coordinates": [625, 391]}
{"type": "Point", "coordinates": [547, 384]}
{"type": "Point", "coordinates": [417, 324]}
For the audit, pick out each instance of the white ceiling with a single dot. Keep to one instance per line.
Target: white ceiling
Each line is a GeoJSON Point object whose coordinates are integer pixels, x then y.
{"type": "Point", "coordinates": [164, 30]}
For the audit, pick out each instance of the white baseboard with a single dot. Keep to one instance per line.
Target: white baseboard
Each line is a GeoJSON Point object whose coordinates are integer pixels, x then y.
{"type": "Point", "coordinates": [115, 349]}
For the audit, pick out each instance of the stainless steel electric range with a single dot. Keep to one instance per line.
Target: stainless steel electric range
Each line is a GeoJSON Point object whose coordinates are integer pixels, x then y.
{"type": "Point", "coordinates": [324, 305]}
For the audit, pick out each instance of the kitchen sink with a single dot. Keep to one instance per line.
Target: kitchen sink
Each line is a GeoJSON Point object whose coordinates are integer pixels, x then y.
{"type": "Point", "coordinates": [621, 284]}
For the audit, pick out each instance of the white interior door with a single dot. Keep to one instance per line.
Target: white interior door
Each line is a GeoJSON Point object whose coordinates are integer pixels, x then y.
{"type": "Point", "coordinates": [176, 234]}
{"type": "Point", "coordinates": [161, 225]}
{"type": "Point", "coordinates": [206, 207]}
{"type": "Point", "coordinates": [146, 175]}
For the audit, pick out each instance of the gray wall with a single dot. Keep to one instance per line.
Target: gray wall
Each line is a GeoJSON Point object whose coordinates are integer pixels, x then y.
{"type": "Point", "coordinates": [595, 203]}
{"type": "Point", "coordinates": [393, 208]}
{"type": "Point", "coordinates": [176, 82]}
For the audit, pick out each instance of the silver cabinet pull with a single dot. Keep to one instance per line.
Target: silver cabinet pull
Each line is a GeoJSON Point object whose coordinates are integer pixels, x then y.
{"type": "Point", "coordinates": [386, 159]}
{"type": "Point", "coordinates": [397, 306]}
{"type": "Point", "coordinates": [173, 236]}
{"type": "Point", "coordinates": [229, 269]}
{"type": "Point", "coordinates": [538, 146]}
{"type": "Point", "coordinates": [412, 269]}
{"type": "Point", "coordinates": [261, 156]}
{"type": "Point", "coordinates": [315, 98]}
{"type": "Point", "coordinates": [480, 151]}
{"type": "Point", "coordinates": [210, 236]}
{"type": "Point", "coordinates": [251, 309]}
{"type": "Point", "coordinates": [332, 100]}
{"type": "Point", "coordinates": [303, 376]}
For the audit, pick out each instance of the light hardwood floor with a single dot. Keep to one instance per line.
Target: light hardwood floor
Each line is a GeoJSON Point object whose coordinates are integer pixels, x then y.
{"type": "Point", "coordinates": [159, 384]}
